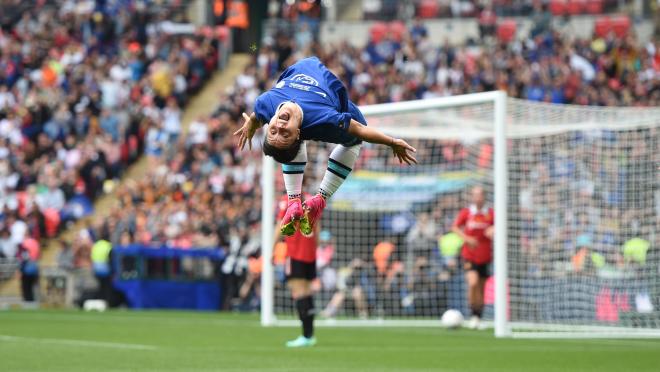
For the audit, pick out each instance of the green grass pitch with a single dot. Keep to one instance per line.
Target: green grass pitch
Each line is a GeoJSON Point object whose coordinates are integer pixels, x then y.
{"type": "Point", "coordinates": [52, 340]}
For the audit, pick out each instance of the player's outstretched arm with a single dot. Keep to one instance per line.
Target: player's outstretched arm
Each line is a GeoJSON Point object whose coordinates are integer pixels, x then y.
{"type": "Point", "coordinates": [246, 132]}
{"type": "Point", "coordinates": [402, 150]}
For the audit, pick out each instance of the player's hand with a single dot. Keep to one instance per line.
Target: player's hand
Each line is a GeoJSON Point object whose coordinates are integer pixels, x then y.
{"type": "Point", "coordinates": [489, 232]}
{"type": "Point", "coordinates": [246, 132]}
{"type": "Point", "coordinates": [471, 241]}
{"type": "Point", "coordinates": [403, 151]}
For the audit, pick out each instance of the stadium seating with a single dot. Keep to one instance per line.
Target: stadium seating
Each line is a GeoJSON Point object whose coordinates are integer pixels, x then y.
{"type": "Point", "coordinates": [73, 122]}
{"type": "Point", "coordinates": [575, 7]}
{"type": "Point", "coordinates": [200, 193]}
{"type": "Point", "coordinates": [557, 7]}
{"type": "Point", "coordinates": [428, 9]}
{"type": "Point", "coordinates": [431, 8]}
{"type": "Point", "coordinates": [206, 197]}
{"type": "Point", "coordinates": [594, 6]}
{"type": "Point", "coordinates": [506, 30]}
{"type": "Point", "coordinates": [619, 25]}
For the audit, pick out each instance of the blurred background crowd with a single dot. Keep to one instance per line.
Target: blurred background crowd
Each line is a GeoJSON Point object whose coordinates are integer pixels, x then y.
{"type": "Point", "coordinates": [79, 87]}
{"type": "Point", "coordinates": [84, 93]}
{"type": "Point", "coordinates": [392, 9]}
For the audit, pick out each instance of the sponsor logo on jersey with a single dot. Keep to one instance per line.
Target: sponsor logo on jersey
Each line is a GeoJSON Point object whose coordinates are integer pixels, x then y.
{"type": "Point", "coordinates": [280, 84]}
{"type": "Point", "coordinates": [306, 88]}
{"type": "Point", "coordinates": [305, 79]}
{"type": "Point", "coordinates": [300, 86]}
{"type": "Point", "coordinates": [477, 225]}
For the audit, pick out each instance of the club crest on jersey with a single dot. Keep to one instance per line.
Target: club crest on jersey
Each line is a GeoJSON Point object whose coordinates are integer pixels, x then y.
{"type": "Point", "coordinates": [305, 79]}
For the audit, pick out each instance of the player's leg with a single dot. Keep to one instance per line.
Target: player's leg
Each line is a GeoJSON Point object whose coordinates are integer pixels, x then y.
{"type": "Point", "coordinates": [335, 303]}
{"type": "Point", "coordinates": [302, 295]}
{"type": "Point", "coordinates": [360, 302]}
{"type": "Point", "coordinates": [480, 288]}
{"type": "Point", "coordinates": [302, 274]}
{"type": "Point", "coordinates": [293, 179]}
{"type": "Point", "coordinates": [472, 281]}
{"type": "Point", "coordinates": [479, 296]}
{"type": "Point", "coordinates": [340, 164]}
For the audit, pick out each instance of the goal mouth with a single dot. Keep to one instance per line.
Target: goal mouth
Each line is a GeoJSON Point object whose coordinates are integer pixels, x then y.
{"type": "Point", "coordinates": [519, 330]}
{"type": "Point", "coordinates": [574, 190]}
{"type": "Point", "coordinates": [358, 323]}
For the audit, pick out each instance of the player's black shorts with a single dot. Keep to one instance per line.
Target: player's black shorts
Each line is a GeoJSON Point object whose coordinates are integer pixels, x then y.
{"type": "Point", "coordinates": [482, 269]}
{"type": "Point", "coordinates": [301, 270]}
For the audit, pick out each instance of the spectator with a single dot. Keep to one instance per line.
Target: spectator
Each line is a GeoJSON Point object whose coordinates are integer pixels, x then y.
{"type": "Point", "coordinates": [202, 193]}
{"type": "Point", "coordinates": [72, 103]}
{"type": "Point", "coordinates": [65, 257]}
{"type": "Point", "coordinates": [18, 228]}
{"type": "Point", "coordinates": [52, 197]}
{"type": "Point", "coordinates": [421, 238]}
{"type": "Point", "coordinates": [101, 266]}
{"type": "Point", "coordinates": [172, 121]}
{"type": "Point", "coordinates": [198, 132]}
{"type": "Point", "coordinates": [7, 99]}
{"type": "Point", "coordinates": [487, 21]}
{"type": "Point", "coordinates": [351, 281]}
{"type": "Point", "coordinates": [28, 257]}
{"type": "Point", "coordinates": [8, 247]}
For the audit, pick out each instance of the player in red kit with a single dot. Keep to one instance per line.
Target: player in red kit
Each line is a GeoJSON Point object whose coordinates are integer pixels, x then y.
{"type": "Point", "coordinates": [475, 225]}
{"type": "Point", "coordinates": [301, 271]}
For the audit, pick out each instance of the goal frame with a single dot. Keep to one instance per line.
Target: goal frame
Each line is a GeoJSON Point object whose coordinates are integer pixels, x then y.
{"type": "Point", "coordinates": [500, 172]}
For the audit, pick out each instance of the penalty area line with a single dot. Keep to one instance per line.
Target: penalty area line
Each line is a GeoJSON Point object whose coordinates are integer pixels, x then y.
{"type": "Point", "coordinates": [84, 343]}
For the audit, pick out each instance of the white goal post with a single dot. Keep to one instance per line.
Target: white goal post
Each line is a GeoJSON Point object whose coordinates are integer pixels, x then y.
{"type": "Point", "coordinates": [464, 140]}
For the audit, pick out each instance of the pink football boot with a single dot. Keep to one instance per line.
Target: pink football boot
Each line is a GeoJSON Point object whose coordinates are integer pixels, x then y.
{"type": "Point", "coordinates": [313, 211]}
{"type": "Point", "coordinates": [294, 212]}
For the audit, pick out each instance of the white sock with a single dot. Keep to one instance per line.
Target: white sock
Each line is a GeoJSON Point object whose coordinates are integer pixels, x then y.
{"type": "Point", "coordinates": [341, 162]}
{"type": "Point", "coordinates": [293, 173]}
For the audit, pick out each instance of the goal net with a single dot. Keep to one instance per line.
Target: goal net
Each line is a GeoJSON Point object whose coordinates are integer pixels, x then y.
{"type": "Point", "coordinates": [576, 198]}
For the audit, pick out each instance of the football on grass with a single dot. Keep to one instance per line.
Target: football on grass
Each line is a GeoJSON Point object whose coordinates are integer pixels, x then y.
{"type": "Point", "coordinates": [452, 319]}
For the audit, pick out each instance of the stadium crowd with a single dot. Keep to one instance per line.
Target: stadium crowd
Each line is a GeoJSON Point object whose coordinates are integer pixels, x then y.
{"type": "Point", "coordinates": [200, 190]}
{"type": "Point", "coordinates": [605, 186]}
{"type": "Point", "coordinates": [78, 86]}
{"type": "Point", "coordinates": [392, 9]}
{"type": "Point", "coordinates": [609, 71]}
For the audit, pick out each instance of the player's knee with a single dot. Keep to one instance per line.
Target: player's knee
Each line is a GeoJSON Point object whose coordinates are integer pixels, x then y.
{"type": "Point", "coordinates": [297, 288]}
{"type": "Point", "coordinates": [355, 149]}
{"type": "Point", "coordinates": [472, 278]}
{"type": "Point", "coordinates": [482, 282]}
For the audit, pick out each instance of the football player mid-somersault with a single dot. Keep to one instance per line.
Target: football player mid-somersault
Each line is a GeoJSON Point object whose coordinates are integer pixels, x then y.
{"type": "Point", "coordinates": [310, 103]}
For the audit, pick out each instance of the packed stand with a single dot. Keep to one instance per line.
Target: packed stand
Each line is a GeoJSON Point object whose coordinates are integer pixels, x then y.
{"type": "Point", "coordinates": [202, 191]}
{"type": "Point", "coordinates": [198, 193]}
{"type": "Point", "coordinates": [77, 85]}
{"type": "Point", "coordinates": [607, 71]}
{"type": "Point", "coordinates": [429, 9]}
{"type": "Point", "coordinates": [397, 66]}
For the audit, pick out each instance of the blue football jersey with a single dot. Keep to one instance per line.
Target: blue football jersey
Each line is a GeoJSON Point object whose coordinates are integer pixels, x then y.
{"type": "Point", "coordinates": [327, 111]}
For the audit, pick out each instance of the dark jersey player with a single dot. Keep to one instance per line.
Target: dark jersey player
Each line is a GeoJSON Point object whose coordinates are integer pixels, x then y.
{"type": "Point", "coordinates": [308, 102]}
{"type": "Point", "coordinates": [475, 225]}
{"type": "Point", "coordinates": [301, 271]}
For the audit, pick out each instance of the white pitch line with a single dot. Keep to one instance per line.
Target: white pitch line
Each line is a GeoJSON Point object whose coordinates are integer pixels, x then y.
{"type": "Point", "coordinates": [64, 341]}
